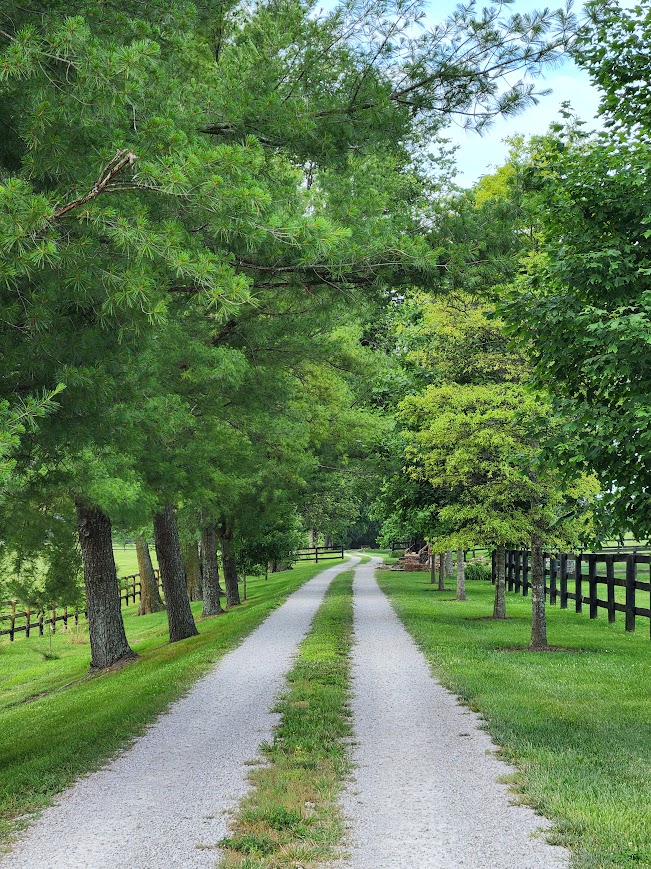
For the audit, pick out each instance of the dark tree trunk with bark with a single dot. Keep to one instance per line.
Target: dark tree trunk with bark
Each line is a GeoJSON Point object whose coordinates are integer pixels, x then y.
{"type": "Point", "coordinates": [108, 640]}
{"type": "Point", "coordinates": [499, 607]}
{"type": "Point", "coordinates": [211, 590]}
{"type": "Point", "coordinates": [442, 571]}
{"type": "Point", "coordinates": [192, 566]}
{"type": "Point", "coordinates": [449, 564]}
{"type": "Point", "coordinates": [170, 563]}
{"type": "Point", "coordinates": [150, 599]}
{"type": "Point", "coordinates": [538, 615]}
{"type": "Point", "coordinates": [432, 570]}
{"type": "Point", "coordinates": [461, 576]}
{"type": "Point", "coordinates": [225, 532]}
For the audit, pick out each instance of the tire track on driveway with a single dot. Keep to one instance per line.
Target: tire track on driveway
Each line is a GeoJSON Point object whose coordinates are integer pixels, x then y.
{"type": "Point", "coordinates": [426, 794]}
{"type": "Point", "coordinates": [161, 804]}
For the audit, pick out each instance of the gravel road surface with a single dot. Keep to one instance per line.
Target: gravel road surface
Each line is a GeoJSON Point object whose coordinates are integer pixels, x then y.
{"type": "Point", "coordinates": [426, 794]}
{"type": "Point", "coordinates": [161, 804]}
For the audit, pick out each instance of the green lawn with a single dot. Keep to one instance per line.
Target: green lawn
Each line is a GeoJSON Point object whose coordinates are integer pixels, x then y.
{"type": "Point", "coordinates": [126, 561]}
{"type": "Point", "coordinates": [56, 722]}
{"type": "Point", "coordinates": [577, 724]}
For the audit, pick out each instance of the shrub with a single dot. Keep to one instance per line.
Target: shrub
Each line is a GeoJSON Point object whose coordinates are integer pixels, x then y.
{"type": "Point", "coordinates": [477, 570]}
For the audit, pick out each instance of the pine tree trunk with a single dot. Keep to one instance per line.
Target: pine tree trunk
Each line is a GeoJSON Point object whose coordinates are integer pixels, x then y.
{"type": "Point", "coordinates": [108, 640]}
{"type": "Point", "coordinates": [211, 603]}
{"type": "Point", "coordinates": [461, 575]}
{"type": "Point", "coordinates": [229, 564]}
{"type": "Point", "coordinates": [192, 565]}
{"type": "Point", "coordinates": [170, 563]}
{"type": "Point", "coordinates": [538, 615]}
{"type": "Point", "coordinates": [442, 572]}
{"type": "Point", "coordinates": [150, 599]}
{"type": "Point", "coordinates": [499, 607]}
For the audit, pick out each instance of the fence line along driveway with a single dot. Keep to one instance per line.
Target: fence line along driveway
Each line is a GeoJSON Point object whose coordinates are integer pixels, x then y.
{"type": "Point", "coordinates": [568, 577]}
{"type": "Point", "coordinates": [27, 620]}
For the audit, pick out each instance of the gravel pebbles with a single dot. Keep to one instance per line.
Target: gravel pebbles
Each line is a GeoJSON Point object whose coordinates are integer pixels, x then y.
{"type": "Point", "coordinates": [162, 803]}
{"type": "Point", "coordinates": [426, 793]}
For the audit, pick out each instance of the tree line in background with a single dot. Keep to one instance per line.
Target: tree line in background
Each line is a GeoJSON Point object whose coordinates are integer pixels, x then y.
{"type": "Point", "coordinates": [242, 299]}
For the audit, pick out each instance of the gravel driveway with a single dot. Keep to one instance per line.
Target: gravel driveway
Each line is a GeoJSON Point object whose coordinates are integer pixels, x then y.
{"type": "Point", "coordinates": [426, 794]}
{"type": "Point", "coordinates": [161, 803]}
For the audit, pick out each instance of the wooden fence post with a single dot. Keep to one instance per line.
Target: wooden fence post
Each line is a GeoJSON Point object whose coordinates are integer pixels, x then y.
{"type": "Point", "coordinates": [631, 576]}
{"type": "Point", "coordinates": [592, 585]}
{"type": "Point", "coordinates": [316, 554]}
{"type": "Point", "coordinates": [610, 587]}
{"type": "Point", "coordinates": [41, 615]}
{"type": "Point", "coordinates": [518, 571]}
{"type": "Point", "coordinates": [578, 584]}
{"type": "Point", "coordinates": [28, 614]}
{"type": "Point", "coordinates": [553, 570]}
{"type": "Point", "coordinates": [563, 579]}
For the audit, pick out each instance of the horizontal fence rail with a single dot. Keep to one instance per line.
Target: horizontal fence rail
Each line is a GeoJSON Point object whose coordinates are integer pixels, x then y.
{"type": "Point", "coordinates": [319, 553]}
{"type": "Point", "coordinates": [581, 578]}
{"type": "Point", "coordinates": [36, 619]}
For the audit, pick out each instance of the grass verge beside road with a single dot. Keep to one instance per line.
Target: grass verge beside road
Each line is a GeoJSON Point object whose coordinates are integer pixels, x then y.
{"type": "Point", "coordinates": [57, 723]}
{"type": "Point", "coordinates": [291, 817]}
{"type": "Point", "coordinates": [577, 724]}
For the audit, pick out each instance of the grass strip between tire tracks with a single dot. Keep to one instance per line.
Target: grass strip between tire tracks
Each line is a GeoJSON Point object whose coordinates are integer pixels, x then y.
{"type": "Point", "coordinates": [575, 723]}
{"type": "Point", "coordinates": [58, 723]}
{"type": "Point", "coordinates": [292, 817]}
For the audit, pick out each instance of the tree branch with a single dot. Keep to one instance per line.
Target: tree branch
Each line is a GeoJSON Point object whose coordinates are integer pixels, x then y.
{"type": "Point", "coordinates": [121, 159]}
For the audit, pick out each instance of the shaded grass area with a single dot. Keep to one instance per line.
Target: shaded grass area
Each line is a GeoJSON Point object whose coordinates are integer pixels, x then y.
{"type": "Point", "coordinates": [291, 817]}
{"type": "Point", "coordinates": [51, 734]}
{"type": "Point", "coordinates": [577, 725]}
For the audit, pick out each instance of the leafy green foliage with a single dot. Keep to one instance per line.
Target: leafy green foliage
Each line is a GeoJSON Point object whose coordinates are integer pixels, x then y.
{"type": "Point", "coordinates": [582, 307]}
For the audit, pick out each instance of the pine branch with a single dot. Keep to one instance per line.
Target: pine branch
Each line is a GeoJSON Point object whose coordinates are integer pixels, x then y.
{"type": "Point", "coordinates": [121, 159]}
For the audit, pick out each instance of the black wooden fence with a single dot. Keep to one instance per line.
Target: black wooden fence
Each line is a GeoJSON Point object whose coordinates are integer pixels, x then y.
{"type": "Point", "coordinates": [319, 553]}
{"type": "Point", "coordinates": [37, 619]}
{"type": "Point", "coordinates": [581, 578]}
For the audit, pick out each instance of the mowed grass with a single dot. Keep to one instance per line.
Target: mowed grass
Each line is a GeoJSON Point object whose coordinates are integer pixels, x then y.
{"type": "Point", "coordinates": [56, 722]}
{"type": "Point", "coordinates": [577, 724]}
{"type": "Point", "coordinates": [126, 560]}
{"type": "Point", "coordinates": [291, 817]}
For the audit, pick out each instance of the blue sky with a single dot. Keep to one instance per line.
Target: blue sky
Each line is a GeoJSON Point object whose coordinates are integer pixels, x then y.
{"type": "Point", "coordinates": [478, 155]}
